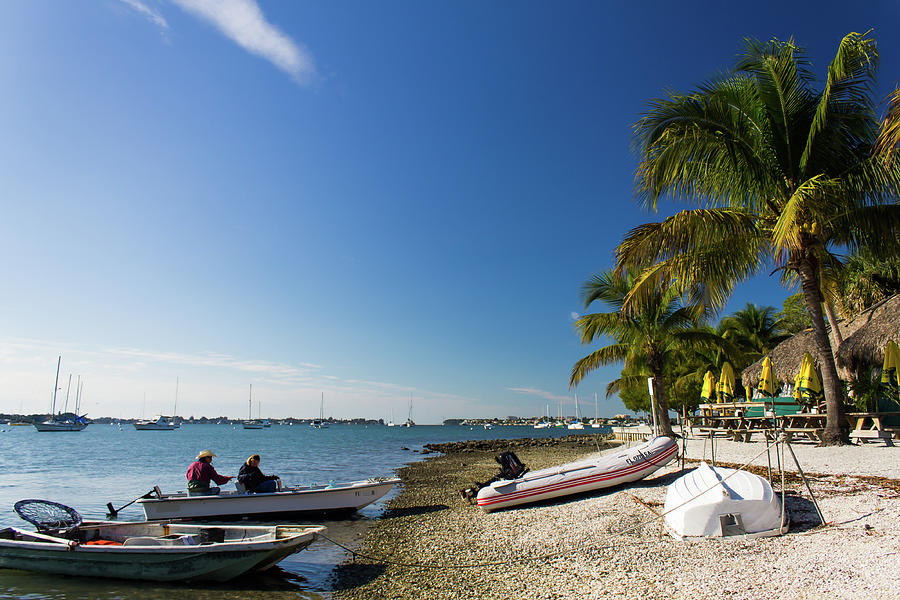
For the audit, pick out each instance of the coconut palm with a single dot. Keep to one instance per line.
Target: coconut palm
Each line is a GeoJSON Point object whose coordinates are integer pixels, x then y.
{"type": "Point", "coordinates": [646, 339]}
{"type": "Point", "coordinates": [753, 329]}
{"type": "Point", "coordinates": [783, 174]}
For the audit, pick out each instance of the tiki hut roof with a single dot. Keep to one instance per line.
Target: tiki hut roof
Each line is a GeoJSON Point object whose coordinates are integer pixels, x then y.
{"type": "Point", "coordinates": [787, 355]}
{"type": "Point", "coordinates": [877, 325]}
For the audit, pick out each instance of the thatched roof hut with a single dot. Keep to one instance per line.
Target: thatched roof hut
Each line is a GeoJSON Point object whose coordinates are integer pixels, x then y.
{"type": "Point", "coordinates": [864, 338]}
{"type": "Point", "coordinates": [877, 325]}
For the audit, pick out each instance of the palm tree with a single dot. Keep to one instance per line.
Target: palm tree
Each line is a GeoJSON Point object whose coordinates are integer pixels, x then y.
{"type": "Point", "coordinates": [753, 329]}
{"type": "Point", "coordinates": [645, 339]}
{"type": "Point", "coordinates": [783, 174]}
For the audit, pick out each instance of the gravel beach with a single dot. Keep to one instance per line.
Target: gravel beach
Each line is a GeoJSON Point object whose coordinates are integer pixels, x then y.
{"type": "Point", "coordinates": [432, 544]}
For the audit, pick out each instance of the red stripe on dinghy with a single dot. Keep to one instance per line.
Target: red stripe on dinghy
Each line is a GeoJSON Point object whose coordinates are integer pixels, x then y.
{"type": "Point", "coordinates": [583, 481]}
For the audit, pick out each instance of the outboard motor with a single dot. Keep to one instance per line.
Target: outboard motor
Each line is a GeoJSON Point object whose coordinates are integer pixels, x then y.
{"type": "Point", "coordinates": [510, 468]}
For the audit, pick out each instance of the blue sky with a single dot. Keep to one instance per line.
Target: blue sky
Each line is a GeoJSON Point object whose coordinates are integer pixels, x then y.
{"type": "Point", "coordinates": [376, 201]}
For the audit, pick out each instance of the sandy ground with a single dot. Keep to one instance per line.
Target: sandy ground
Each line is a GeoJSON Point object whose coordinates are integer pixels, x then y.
{"type": "Point", "coordinates": [431, 544]}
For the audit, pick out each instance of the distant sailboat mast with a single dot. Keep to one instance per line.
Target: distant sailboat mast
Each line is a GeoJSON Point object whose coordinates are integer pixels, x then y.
{"type": "Point", "coordinates": [68, 385]}
{"type": "Point", "coordinates": [55, 385]}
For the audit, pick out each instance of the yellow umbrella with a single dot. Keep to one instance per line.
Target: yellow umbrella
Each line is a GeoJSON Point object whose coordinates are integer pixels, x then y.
{"type": "Point", "coordinates": [767, 378]}
{"type": "Point", "coordinates": [708, 393]}
{"type": "Point", "coordinates": [890, 372]}
{"type": "Point", "coordinates": [808, 388]}
{"type": "Point", "coordinates": [726, 384]}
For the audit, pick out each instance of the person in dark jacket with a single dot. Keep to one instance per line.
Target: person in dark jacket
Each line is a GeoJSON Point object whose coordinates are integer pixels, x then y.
{"type": "Point", "coordinates": [201, 472]}
{"type": "Point", "coordinates": [254, 480]}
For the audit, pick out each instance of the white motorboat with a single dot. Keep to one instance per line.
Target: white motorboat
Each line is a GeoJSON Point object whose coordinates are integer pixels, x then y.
{"type": "Point", "coordinates": [153, 551]}
{"type": "Point", "coordinates": [620, 466]}
{"type": "Point", "coordinates": [157, 423]}
{"type": "Point", "coordinates": [288, 502]}
{"type": "Point", "coordinates": [720, 502]}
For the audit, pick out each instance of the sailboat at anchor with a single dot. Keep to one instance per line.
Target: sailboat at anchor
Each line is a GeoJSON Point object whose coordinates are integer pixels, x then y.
{"type": "Point", "coordinates": [52, 424]}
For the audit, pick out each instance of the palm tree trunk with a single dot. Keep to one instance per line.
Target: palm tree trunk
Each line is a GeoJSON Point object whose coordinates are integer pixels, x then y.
{"type": "Point", "coordinates": [662, 404]}
{"type": "Point", "coordinates": [836, 428]}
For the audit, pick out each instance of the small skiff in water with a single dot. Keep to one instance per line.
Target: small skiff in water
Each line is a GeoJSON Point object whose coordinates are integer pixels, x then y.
{"type": "Point", "coordinates": [334, 499]}
{"type": "Point", "coordinates": [624, 466]}
{"type": "Point", "coordinates": [719, 502]}
{"type": "Point", "coordinates": [153, 551]}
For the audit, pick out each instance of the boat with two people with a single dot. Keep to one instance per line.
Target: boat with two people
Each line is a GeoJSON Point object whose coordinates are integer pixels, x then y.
{"type": "Point", "coordinates": [334, 499]}
{"type": "Point", "coordinates": [64, 544]}
{"type": "Point", "coordinates": [514, 485]}
{"type": "Point", "coordinates": [57, 422]}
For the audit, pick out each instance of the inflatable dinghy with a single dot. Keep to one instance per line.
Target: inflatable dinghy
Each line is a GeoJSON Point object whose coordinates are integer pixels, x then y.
{"type": "Point", "coordinates": [624, 466]}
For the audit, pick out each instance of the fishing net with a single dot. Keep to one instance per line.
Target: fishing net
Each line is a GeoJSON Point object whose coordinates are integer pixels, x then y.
{"type": "Point", "coordinates": [46, 515]}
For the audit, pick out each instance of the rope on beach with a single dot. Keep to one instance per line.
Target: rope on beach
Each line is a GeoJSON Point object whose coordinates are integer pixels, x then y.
{"type": "Point", "coordinates": [523, 559]}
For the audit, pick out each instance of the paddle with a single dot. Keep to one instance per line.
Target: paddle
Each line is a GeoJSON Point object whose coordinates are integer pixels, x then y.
{"type": "Point", "coordinates": [114, 512]}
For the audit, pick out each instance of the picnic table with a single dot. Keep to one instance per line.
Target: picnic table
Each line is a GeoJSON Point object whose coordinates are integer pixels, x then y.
{"type": "Point", "coordinates": [809, 424]}
{"type": "Point", "coordinates": [872, 426]}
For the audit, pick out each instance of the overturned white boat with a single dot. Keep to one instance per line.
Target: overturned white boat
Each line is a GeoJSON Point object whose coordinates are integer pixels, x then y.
{"type": "Point", "coordinates": [623, 466]}
{"type": "Point", "coordinates": [333, 499]}
{"type": "Point", "coordinates": [720, 502]}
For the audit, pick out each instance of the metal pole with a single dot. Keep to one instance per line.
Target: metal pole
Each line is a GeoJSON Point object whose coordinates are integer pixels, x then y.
{"type": "Point", "coordinates": [653, 406]}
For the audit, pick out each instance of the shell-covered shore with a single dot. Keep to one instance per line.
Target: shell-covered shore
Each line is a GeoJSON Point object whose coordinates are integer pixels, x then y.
{"type": "Point", "coordinates": [432, 544]}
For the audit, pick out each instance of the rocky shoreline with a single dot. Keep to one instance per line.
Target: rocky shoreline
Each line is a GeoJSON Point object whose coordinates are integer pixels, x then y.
{"type": "Point", "coordinates": [432, 544]}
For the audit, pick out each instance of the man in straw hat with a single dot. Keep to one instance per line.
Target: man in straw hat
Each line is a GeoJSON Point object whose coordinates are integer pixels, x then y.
{"type": "Point", "coordinates": [201, 472]}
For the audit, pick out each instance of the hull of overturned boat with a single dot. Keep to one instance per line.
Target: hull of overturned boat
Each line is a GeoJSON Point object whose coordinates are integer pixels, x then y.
{"type": "Point", "coordinates": [622, 466]}
{"type": "Point", "coordinates": [290, 502]}
{"type": "Point", "coordinates": [154, 551]}
{"type": "Point", "coordinates": [720, 502]}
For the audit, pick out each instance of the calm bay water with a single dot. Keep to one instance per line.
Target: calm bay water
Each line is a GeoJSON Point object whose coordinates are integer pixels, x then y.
{"type": "Point", "coordinates": [108, 463]}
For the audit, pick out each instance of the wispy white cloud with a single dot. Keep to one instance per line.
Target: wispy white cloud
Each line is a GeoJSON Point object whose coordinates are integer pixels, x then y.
{"type": "Point", "coordinates": [150, 13]}
{"type": "Point", "coordinates": [243, 22]}
{"type": "Point", "coordinates": [539, 393]}
{"type": "Point", "coordinates": [278, 371]}
{"type": "Point", "coordinates": [574, 316]}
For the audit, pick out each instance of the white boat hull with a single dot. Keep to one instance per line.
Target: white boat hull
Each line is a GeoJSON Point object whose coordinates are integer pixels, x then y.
{"type": "Point", "coordinates": [611, 469]}
{"type": "Point", "coordinates": [337, 499]}
{"type": "Point", "coordinates": [721, 502]}
{"type": "Point", "coordinates": [59, 426]}
{"type": "Point", "coordinates": [160, 423]}
{"type": "Point", "coordinates": [155, 551]}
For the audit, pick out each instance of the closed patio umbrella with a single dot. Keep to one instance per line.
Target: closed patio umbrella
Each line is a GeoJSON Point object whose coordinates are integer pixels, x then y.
{"type": "Point", "coordinates": [767, 378]}
{"type": "Point", "coordinates": [708, 392]}
{"type": "Point", "coordinates": [725, 388]}
{"type": "Point", "coordinates": [808, 389]}
{"type": "Point", "coordinates": [890, 373]}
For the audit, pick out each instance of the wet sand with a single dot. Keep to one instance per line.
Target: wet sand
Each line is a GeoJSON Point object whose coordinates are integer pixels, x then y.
{"type": "Point", "coordinates": [610, 544]}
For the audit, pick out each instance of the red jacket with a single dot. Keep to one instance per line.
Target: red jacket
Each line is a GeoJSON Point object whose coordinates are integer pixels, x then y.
{"type": "Point", "coordinates": [202, 471]}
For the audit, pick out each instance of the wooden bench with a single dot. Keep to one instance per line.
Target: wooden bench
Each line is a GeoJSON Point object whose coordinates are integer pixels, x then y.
{"type": "Point", "coordinates": [864, 435]}
{"type": "Point", "coordinates": [813, 433]}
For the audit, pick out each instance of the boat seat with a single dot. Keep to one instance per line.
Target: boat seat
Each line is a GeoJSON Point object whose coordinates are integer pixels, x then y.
{"type": "Point", "coordinates": [240, 487]}
{"type": "Point", "coordinates": [142, 541]}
